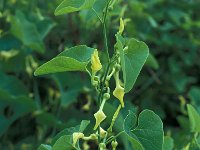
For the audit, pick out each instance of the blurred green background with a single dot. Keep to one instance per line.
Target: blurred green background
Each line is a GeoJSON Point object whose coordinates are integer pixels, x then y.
{"type": "Point", "coordinates": [34, 109]}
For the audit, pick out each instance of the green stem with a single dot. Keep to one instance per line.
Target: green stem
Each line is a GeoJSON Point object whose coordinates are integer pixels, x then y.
{"type": "Point", "coordinates": [114, 118]}
{"type": "Point", "coordinates": [103, 84]}
{"type": "Point", "coordinates": [37, 97]}
{"type": "Point", "coordinates": [104, 30]}
{"type": "Point", "coordinates": [102, 104]}
{"type": "Point", "coordinates": [106, 41]}
{"type": "Point", "coordinates": [110, 140]}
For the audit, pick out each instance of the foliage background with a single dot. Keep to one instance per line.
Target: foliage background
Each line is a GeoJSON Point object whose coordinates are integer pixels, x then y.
{"type": "Point", "coordinates": [33, 110]}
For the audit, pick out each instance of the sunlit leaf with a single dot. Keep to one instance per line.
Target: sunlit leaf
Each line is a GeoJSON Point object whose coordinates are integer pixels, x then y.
{"type": "Point", "coordinates": [69, 6]}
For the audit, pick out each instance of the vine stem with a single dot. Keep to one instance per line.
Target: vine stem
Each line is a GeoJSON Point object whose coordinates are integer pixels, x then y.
{"type": "Point", "coordinates": [108, 57]}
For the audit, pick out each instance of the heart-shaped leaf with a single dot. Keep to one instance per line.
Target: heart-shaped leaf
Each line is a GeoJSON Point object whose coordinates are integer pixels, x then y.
{"type": "Point", "coordinates": [149, 132]}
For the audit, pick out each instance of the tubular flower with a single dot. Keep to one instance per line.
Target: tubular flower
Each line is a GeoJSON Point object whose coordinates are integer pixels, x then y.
{"type": "Point", "coordinates": [76, 137]}
{"type": "Point", "coordinates": [95, 61]}
{"type": "Point", "coordinates": [119, 94]}
{"type": "Point", "coordinates": [99, 116]}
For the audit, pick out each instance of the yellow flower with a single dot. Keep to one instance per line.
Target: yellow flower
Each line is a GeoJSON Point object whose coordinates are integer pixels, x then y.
{"type": "Point", "coordinates": [76, 137]}
{"type": "Point", "coordinates": [99, 116]}
{"type": "Point", "coordinates": [95, 61]}
{"type": "Point", "coordinates": [119, 94]}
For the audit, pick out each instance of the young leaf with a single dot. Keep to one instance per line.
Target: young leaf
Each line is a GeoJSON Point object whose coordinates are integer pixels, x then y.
{"type": "Point", "coordinates": [149, 132]}
{"type": "Point", "coordinates": [73, 59]}
{"type": "Point", "coordinates": [69, 6]}
{"type": "Point", "coordinates": [194, 118]}
{"type": "Point", "coordinates": [132, 60]}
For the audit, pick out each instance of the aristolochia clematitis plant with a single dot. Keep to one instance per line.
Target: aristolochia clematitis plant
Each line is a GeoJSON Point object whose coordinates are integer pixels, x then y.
{"type": "Point", "coordinates": [128, 57]}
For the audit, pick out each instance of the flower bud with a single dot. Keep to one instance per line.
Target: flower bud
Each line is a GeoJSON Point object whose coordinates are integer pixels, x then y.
{"type": "Point", "coordinates": [102, 132]}
{"type": "Point", "coordinates": [102, 146]}
{"type": "Point", "coordinates": [99, 116]}
{"type": "Point", "coordinates": [76, 137]}
{"type": "Point", "coordinates": [95, 61]}
{"type": "Point", "coordinates": [119, 94]}
{"type": "Point", "coordinates": [106, 96]}
{"type": "Point", "coordinates": [114, 144]}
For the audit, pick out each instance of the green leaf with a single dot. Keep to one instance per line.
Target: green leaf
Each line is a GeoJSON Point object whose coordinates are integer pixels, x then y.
{"type": "Point", "coordinates": [81, 53]}
{"type": "Point", "coordinates": [45, 147]}
{"type": "Point", "coordinates": [73, 59]}
{"type": "Point", "coordinates": [47, 119]}
{"type": "Point", "coordinates": [70, 131]}
{"type": "Point", "coordinates": [83, 125]}
{"type": "Point", "coordinates": [130, 121]}
{"type": "Point", "coordinates": [152, 62]}
{"type": "Point", "coordinates": [69, 6]}
{"type": "Point", "coordinates": [168, 143]}
{"type": "Point", "coordinates": [194, 118]}
{"type": "Point", "coordinates": [63, 140]}
{"type": "Point", "coordinates": [129, 124]}
{"type": "Point", "coordinates": [149, 132]}
{"type": "Point", "coordinates": [12, 85]}
{"type": "Point", "coordinates": [60, 64]}
{"type": "Point", "coordinates": [64, 143]}
{"type": "Point", "coordinates": [132, 60]}
{"type": "Point", "coordinates": [26, 32]}
{"type": "Point", "coordinates": [12, 108]}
